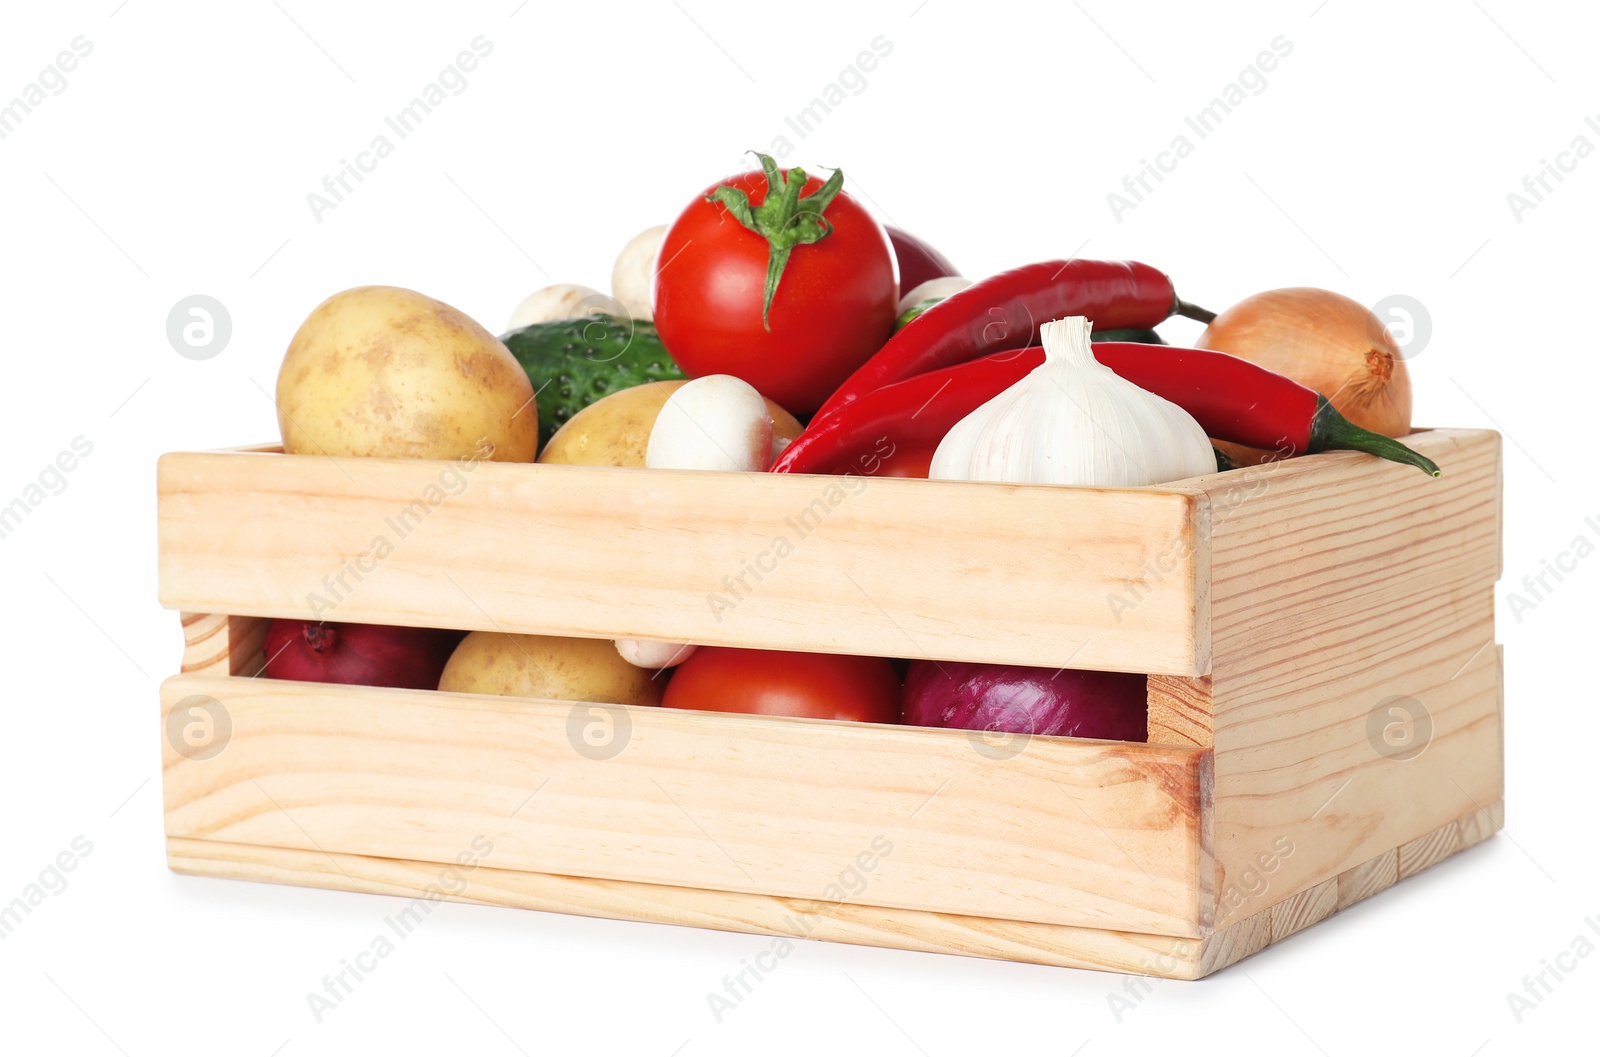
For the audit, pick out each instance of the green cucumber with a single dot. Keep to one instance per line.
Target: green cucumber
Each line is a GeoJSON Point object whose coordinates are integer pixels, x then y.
{"type": "Point", "coordinates": [574, 362]}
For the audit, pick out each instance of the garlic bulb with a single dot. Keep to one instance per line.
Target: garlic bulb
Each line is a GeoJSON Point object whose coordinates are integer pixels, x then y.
{"type": "Point", "coordinates": [1072, 421]}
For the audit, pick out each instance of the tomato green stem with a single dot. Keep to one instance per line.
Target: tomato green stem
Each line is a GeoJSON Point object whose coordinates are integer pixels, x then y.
{"type": "Point", "coordinates": [784, 218]}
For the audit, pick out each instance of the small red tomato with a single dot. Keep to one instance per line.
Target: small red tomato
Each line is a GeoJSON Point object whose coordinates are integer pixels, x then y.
{"type": "Point", "coordinates": [904, 462]}
{"type": "Point", "coordinates": [794, 330]}
{"type": "Point", "coordinates": [779, 683]}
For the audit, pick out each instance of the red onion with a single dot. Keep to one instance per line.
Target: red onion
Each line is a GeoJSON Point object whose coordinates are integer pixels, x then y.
{"type": "Point", "coordinates": [918, 261]}
{"type": "Point", "coordinates": [1015, 699]}
{"type": "Point", "coordinates": [358, 654]}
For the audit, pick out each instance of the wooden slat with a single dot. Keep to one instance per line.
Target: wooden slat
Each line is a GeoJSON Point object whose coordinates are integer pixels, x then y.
{"type": "Point", "coordinates": [1368, 879]}
{"type": "Point", "coordinates": [1337, 586]}
{"type": "Point", "coordinates": [1068, 832]}
{"type": "Point", "coordinates": [214, 644]}
{"type": "Point", "coordinates": [1414, 856]}
{"type": "Point", "coordinates": [1059, 945]}
{"type": "Point", "coordinates": [1304, 909]}
{"type": "Point", "coordinates": [843, 565]}
{"type": "Point", "coordinates": [1180, 710]}
{"type": "Point", "coordinates": [1482, 824]}
{"type": "Point", "coordinates": [1248, 935]}
{"type": "Point", "coordinates": [1235, 943]}
{"type": "Point", "coordinates": [1080, 948]}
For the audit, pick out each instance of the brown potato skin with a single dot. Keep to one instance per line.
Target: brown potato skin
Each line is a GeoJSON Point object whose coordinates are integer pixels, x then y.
{"type": "Point", "coordinates": [615, 430]}
{"type": "Point", "coordinates": [387, 372]}
{"type": "Point", "coordinates": [547, 666]}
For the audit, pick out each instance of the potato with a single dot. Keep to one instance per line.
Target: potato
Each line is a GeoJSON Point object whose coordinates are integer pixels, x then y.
{"type": "Point", "coordinates": [382, 371]}
{"type": "Point", "coordinates": [490, 662]}
{"type": "Point", "coordinates": [615, 430]}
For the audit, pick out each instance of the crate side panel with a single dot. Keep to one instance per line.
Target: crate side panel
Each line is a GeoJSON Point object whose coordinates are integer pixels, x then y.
{"type": "Point", "coordinates": [1356, 684]}
{"type": "Point", "coordinates": [1101, 834]}
{"type": "Point", "coordinates": [1106, 578]}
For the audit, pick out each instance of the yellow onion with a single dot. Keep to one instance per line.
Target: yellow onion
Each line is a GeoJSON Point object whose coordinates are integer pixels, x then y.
{"type": "Point", "coordinates": [1327, 342]}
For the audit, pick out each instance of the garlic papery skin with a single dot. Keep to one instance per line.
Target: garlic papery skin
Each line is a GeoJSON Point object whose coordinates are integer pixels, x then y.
{"type": "Point", "coordinates": [1072, 421]}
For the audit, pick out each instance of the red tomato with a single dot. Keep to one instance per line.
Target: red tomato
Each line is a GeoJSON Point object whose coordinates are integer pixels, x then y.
{"type": "Point", "coordinates": [833, 308]}
{"type": "Point", "coordinates": [905, 462]}
{"type": "Point", "coordinates": [778, 683]}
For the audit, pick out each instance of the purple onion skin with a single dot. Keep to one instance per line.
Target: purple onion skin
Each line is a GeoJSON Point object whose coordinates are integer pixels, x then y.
{"type": "Point", "coordinates": [918, 262]}
{"type": "Point", "coordinates": [1015, 699]}
{"type": "Point", "coordinates": [358, 654]}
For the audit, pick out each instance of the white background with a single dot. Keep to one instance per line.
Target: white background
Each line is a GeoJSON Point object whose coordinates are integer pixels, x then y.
{"type": "Point", "coordinates": [177, 161]}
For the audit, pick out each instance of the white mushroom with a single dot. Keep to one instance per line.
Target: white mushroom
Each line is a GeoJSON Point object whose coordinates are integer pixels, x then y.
{"type": "Point", "coordinates": [630, 276]}
{"type": "Point", "coordinates": [718, 422]}
{"type": "Point", "coordinates": [563, 301]}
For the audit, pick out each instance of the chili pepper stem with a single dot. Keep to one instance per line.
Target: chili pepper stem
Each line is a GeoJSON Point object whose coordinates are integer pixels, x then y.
{"type": "Point", "coordinates": [1195, 312]}
{"type": "Point", "coordinates": [1330, 430]}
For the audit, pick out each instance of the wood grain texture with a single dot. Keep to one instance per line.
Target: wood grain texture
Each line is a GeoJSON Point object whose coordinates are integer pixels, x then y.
{"type": "Point", "coordinates": [1058, 945]}
{"type": "Point", "coordinates": [1304, 909]}
{"type": "Point", "coordinates": [1247, 935]}
{"type": "Point", "coordinates": [1235, 943]}
{"type": "Point", "coordinates": [1368, 879]}
{"type": "Point", "coordinates": [1482, 824]}
{"type": "Point", "coordinates": [214, 644]}
{"type": "Point", "coordinates": [841, 565]}
{"type": "Point", "coordinates": [1067, 832]}
{"type": "Point", "coordinates": [1341, 586]}
{"type": "Point", "coordinates": [1180, 710]}
{"type": "Point", "coordinates": [1278, 611]}
{"type": "Point", "coordinates": [1414, 856]}
{"type": "Point", "coordinates": [1176, 957]}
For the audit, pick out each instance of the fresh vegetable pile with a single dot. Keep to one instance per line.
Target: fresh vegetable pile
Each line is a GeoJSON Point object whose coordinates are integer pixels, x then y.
{"type": "Point", "coordinates": [775, 294]}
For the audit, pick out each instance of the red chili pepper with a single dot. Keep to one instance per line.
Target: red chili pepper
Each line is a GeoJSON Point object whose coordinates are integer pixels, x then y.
{"type": "Point", "coordinates": [1232, 399]}
{"type": "Point", "coordinates": [1005, 311]}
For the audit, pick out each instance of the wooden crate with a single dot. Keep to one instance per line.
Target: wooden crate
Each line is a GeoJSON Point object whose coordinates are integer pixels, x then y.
{"type": "Point", "coordinates": [1324, 688]}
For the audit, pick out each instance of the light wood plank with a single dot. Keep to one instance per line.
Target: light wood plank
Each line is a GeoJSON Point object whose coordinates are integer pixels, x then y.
{"type": "Point", "coordinates": [1069, 832]}
{"type": "Point", "coordinates": [1304, 909]}
{"type": "Point", "coordinates": [1182, 958]}
{"type": "Point", "coordinates": [1368, 879]}
{"type": "Point", "coordinates": [1482, 824]}
{"type": "Point", "coordinates": [1339, 585]}
{"type": "Point", "coordinates": [1058, 945]}
{"type": "Point", "coordinates": [1414, 856]}
{"type": "Point", "coordinates": [842, 565]}
{"type": "Point", "coordinates": [1248, 935]}
{"type": "Point", "coordinates": [1235, 943]}
{"type": "Point", "coordinates": [214, 644]}
{"type": "Point", "coordinates": [1180, 710]}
